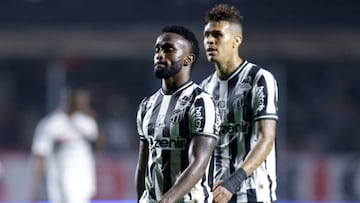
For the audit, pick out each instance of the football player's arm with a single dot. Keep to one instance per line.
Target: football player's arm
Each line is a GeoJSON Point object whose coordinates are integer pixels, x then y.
{"type": "Point", "coordinates": [200, 151]}
{"type": "Point", "coordinates": [141, 168]}
{"type": "Point", "coordinates": [265, 132]}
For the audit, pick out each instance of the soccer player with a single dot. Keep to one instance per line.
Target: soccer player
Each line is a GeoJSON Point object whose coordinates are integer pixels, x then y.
{"type": "Point", "coordinates": [62, 150]}
{"type": "Point", "coordinates": [178, 126]}
{"type": "Point", "coordinates": [247, 97]}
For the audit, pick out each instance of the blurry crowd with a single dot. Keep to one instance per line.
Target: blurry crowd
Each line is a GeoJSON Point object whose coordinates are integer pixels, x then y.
{"type": "Point", "coordinates": [319, 102]}
{"type": "Point", "coordinates": [323, 106]}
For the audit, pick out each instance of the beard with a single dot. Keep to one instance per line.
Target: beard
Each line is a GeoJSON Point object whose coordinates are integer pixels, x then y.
{"type": "Point", "coordinates": [167, 71]}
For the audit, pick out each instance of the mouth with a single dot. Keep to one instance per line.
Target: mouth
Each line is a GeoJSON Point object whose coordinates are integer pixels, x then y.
{"type": "Point", "coordinates": [159, 64]}
{"type": "Point", "coordinates": [211, 51]}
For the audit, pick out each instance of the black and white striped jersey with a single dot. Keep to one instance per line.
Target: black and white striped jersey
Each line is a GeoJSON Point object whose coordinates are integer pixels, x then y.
{"type": "Point", "coordinates": [168, 123]}
{"type": "Point", "coordinates": [249, 94]}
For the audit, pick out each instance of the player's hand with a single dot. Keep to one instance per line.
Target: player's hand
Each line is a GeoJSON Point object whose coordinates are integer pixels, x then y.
{"type": "Point", "coordinates": [221, 194]}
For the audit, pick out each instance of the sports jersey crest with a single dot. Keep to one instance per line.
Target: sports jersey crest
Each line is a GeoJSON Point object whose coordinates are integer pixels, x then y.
{"type": "Point", "coordinates": [177, 115]}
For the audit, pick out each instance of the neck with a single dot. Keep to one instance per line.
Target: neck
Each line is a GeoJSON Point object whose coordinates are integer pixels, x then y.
{"type": "Point", "coordinates": [171, 84]}
{"type": "Point", "coordinates": [224, 69]}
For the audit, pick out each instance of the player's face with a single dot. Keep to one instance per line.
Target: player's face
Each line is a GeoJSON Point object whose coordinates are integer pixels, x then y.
{"type": "Point", "coordinates": [170, 52]}
{"type": "Point", "coordinates": [219, 38]}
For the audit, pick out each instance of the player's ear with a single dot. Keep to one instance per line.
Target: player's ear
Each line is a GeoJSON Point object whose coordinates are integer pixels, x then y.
{"type": "Point", "coordinates": [189, 60]}
{"type": "Point", "coordinates": [237, 41]}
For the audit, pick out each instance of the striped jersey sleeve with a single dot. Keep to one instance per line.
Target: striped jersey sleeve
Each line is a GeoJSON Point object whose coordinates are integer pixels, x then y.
{"type": "Point", "coordinates": [203, 116]}
{"type": "Point", "coordinates": [139, 118]}
{"type": "Point", "coordinates": [264, 96]}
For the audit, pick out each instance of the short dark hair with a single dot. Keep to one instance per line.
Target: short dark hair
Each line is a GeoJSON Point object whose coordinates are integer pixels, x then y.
{"type": "Point", "coordinates": [224, 12]}
{"type": "Point", "coordinates": [188, 35]}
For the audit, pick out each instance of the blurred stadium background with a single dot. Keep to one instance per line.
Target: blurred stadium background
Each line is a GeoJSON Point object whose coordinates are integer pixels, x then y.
{"type": "Point", "coordinates": [312, 47]}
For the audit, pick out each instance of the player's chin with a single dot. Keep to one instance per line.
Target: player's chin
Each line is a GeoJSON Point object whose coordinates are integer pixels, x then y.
{"type": "Point", "coordinates": [211, 58]}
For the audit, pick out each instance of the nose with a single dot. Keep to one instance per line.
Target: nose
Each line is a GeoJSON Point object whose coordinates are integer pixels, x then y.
{"type": "Point", "coordinates": [209, 39]}
{"type": "Point", "coordinates": [159, 56]}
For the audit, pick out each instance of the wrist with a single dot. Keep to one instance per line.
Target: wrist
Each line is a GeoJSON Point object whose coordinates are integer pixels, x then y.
{"type": "Point", "coordinates": [234, 181]}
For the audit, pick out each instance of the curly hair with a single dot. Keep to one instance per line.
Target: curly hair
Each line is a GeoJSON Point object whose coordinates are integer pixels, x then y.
{"type": "Point", "coordinates": [188, 35]}
{"type": "Point", "coordinates": [224, 12]}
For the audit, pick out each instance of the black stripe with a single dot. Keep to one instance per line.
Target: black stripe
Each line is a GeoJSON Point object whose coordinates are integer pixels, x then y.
{"type": "Point", "coordinates": [251, 195]}
{"type": "Point", "coordinates": [203, 182]}
{"type": "Point", "coordinates": [230, 92]}
{"type": "Point", "coordinates": [211, 171]}
{"type": "Point", "coordinates": [233, 148]}
{"type": "Point", "coordinates": [200, 103]}
{"type": "Point", "coordinates": [152, 192]}
{"type": "Point", "coordinates": [166, 154]}
{"type": "Point", "coordinates": [262, 82]}
{"type": "Point", "coordinates": [248, 112]}
{"type": "Point", "coordinates": [270, 186]}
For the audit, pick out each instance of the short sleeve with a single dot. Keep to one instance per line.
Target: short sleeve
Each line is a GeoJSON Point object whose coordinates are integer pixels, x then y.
{"type": "Point", "coordinates": [43, 142]}
{"type": "Point", "coordinates": [204, 117]}
{"type": "Point", "coordinates": [139, 118]}
{"type": "Point", "coordinates": [265, 96]}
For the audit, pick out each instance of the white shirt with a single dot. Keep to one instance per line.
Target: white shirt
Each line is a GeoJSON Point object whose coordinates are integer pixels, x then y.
{"type": "Point", "coordinates": [65, 142]}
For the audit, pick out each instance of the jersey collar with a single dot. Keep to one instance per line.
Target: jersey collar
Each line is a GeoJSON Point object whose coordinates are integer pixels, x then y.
{"type": "Point", "coordinates": [235, 72]}
{"type": "Point", "coordinates": [182, 87]}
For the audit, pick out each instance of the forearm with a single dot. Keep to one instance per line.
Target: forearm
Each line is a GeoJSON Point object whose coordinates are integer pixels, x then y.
{"type": "Point", "coordinates": [259, 153]}
{"type": "Point", "coordinates": [266, 136]}
{"type": "Point", "coordinates": [141, 169]}
{"type": "Point", "coordinates": [140, 182]}
{"type": "Point", "coordinates": [185, 182]}
{"type": "Point", "coordinates": [253, 161]}
{"type": "Point", "coordinates": [201, 149]}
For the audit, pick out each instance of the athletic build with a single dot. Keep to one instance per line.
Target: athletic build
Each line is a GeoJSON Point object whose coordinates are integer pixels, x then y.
{"type": "Point", "coordinates": [178, 127]}
{"type": "Point", "coordinates": [247, 97]}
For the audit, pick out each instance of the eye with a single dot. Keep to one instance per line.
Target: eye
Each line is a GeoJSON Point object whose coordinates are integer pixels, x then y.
{"type": "Point", "coordinates": [157, 49]}
{"type": "Point", "coordinates": [217, 34]}
{"type": "Point", "coordinates": [214, 34]}
{"type": "Point", "coordinates": [168, 49]}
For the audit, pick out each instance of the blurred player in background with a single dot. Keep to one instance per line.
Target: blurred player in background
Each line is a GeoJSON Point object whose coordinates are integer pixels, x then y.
{"type": "Point", "coordinates": [178, 127]}
{"type": "Point", "coordinates": [247, 98]}
{"type": "Point", "coordinates": [62, 149]}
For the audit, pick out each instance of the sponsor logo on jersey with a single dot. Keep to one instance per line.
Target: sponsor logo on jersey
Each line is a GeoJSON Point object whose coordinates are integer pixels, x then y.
{"type": "Point", "coordinates": [261, 101]}
{"type": "Point", "coordinates": [167, 143]}
{"type": "Point", "coordinates": [242, 127]}
{"type": "Point", "coordinates": [198, 119]}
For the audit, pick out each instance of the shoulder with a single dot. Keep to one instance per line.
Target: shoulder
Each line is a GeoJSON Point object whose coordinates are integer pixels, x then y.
{"type": "Point", "coordinates": [42, 123]}
{"type": "Point", "coordinates": [199, 90]}
{"type": "Point", "coordinates": [207, 80]}
{"type": "Point", "coordinates": [260, 72]}
{"type": "Point", "coordinates": [53, 118]}
{"type": "Point", "coordinates": [200, 94]}
{"type": "Point", "coordinates": [52, 121]}
{"type": "Point", "coordinates": [148, 100]}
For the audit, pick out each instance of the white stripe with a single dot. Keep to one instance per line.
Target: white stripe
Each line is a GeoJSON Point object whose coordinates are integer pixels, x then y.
{"type": "Point", "coordinates": [210, 113]}
{"type": "Point", "coordinates": [271, 89]}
